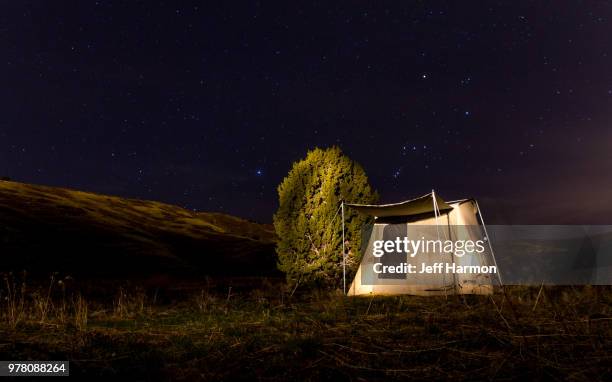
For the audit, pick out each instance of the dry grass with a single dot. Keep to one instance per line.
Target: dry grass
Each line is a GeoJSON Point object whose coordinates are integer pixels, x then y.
{"type": "Point", "coordinates": [87, 234]}
{"type": "Point", "coordinates": [15, 297]}
{"type": "Point", "coordinates": [80, 313]}
{"type": "Point", "coordinates": [122, 213]}
{"type": "Point", "coordinates": [562, 333]}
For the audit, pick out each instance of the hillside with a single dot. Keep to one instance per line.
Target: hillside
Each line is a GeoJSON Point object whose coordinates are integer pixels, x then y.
{"type": "Point", "coordinates": [45, 229]}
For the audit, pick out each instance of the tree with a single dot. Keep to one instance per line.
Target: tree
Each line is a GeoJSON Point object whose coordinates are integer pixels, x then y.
{"type": "Point", "coordinates": [308, 221]}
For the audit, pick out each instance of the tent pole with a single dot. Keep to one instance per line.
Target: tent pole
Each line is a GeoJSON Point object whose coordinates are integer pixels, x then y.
{"type": "Point", "coordinates": [343, 252]}
{"type": "Point", "coordinates": [435, 209]}
{"type": "Point", "coordinates": [484, 227]}
{"type": "Point", "coordinates": [433, 196]}
{"type": "Point", "coordinates": [455, 282]}
{"type": "Point", "coordinates": [438, 214]}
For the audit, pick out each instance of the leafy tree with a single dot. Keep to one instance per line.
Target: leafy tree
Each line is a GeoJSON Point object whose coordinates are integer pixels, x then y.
{"type": "Point", "coordinates": [308, 222]}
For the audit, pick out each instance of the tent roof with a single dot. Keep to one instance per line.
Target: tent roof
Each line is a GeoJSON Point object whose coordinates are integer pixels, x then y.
{"type": "Point", "coordinates": [421, 205]}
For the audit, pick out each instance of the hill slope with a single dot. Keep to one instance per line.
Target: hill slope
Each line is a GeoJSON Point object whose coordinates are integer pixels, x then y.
{"type": "Point", "coordinates": [45, 229]}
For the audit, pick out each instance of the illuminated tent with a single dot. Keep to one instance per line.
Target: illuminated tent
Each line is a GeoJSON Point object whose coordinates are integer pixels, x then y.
{"type": "Point", "coordinates": [425, 218]}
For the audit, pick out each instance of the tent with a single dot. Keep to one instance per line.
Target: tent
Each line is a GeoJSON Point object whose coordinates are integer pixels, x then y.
{"type": "Point", "coordinates": [426, 219]}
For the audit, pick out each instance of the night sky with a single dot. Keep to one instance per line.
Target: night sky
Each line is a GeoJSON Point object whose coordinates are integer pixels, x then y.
{"type": "Point", "coordinates": [207, 107]}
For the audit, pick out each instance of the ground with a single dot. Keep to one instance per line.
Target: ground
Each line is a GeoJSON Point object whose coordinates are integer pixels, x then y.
{"type": "Point", "coordinates": [221, 333]}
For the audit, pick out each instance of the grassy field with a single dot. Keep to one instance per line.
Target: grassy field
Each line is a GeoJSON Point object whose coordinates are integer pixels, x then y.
{"type": "Point", "coordinates": [169, 324]}
{"type": "Point", "coordinates": [223, 333]}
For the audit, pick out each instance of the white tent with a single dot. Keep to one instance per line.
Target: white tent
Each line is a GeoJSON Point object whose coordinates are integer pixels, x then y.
{"type": "Point", "coordinates": [427, 217]}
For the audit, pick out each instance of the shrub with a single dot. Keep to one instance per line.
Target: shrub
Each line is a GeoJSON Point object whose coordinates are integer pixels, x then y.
{"type": "Point", "coordinates": [308, 222]}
